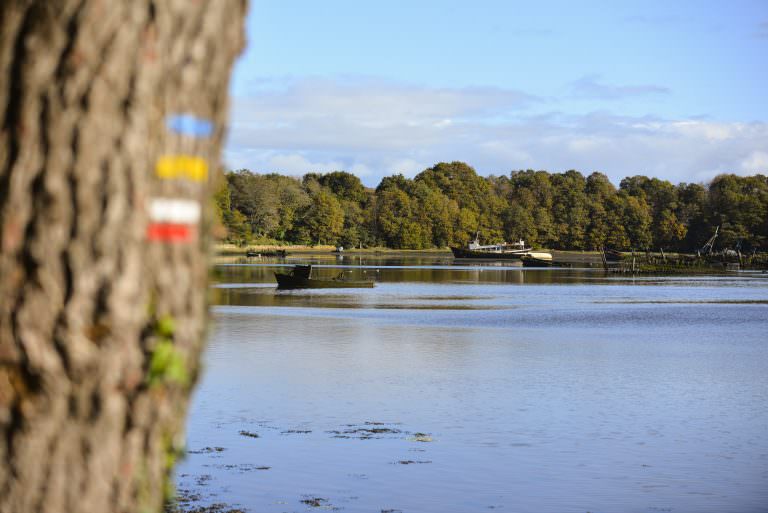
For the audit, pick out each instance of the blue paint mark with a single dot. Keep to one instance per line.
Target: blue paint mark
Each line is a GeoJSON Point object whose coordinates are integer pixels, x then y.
{"type": "Point", "coordinates": [187, 124]}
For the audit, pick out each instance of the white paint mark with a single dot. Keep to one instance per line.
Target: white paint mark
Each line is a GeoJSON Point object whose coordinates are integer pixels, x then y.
{"type": "Point", "coordinates": [173, 210]}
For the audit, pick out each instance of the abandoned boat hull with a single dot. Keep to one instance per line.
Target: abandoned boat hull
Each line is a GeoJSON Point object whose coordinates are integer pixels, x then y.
{"type": "Point", "coordinates": [537, 259]}
{"type": "Point", "coordinates": [288, 281]}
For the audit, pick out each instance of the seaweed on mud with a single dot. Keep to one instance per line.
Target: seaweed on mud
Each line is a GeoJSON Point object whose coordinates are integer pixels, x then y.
{"type": "Point", "coordinates": [203, 479]}
{"type": "Point", "coordinates": [318, 502]}
{"type": "Point", "coordinates": [378, 430]}
{"type": "Point", "coordinates": [183, 503]}
{"type": "Point", "coordinates": [365, 433]}
{"type": "Point", "coordinates": [411, 462]}
{"type": "Point", "coordinates": [185, 496]}
{"type": "Point", "coordinates": [218, 507]}
{"type": "Point", "coordinates": [421, 437]}
{"type": "Point", "coordinates": [314, 502]}
{"type": "Point", "coordinates": [375, 430]}
{"type": "Point", "coordinates": [296, 431]}
{"type": "Point", "coordinates": [242, 467]}
{"type": "Point", "coordinates": [207, 450]}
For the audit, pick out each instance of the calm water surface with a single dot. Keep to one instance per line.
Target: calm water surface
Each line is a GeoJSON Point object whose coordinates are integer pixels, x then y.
{"type": "Point", "coordinates": [471, 388]}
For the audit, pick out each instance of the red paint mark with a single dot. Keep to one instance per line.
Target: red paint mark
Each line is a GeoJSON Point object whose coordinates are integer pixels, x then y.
{"type": "Point", "coordinates": [170, 232]}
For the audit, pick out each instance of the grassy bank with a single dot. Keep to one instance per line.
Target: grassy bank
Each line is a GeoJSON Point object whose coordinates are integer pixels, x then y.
{"type": "Point", "coordinates": [233, 250]}
{"type": "Point", "coordinates": [569, 257]}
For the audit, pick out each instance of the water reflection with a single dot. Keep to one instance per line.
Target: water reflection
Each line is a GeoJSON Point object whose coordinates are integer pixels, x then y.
{"type": "Point", "coordinates": [399, 270]}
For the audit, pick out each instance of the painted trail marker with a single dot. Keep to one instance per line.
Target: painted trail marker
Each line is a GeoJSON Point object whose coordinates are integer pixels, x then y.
{"type": "Point", "coordinates": [170, 232]}
{"type": "Point", "coordinates": [189, 125]}
{"type": "Point", "coordinates": [174, 210]}
{"type": "Point", "coordinates": [187, 167]}
{"type": "Point", "coordinates": [172, 219]}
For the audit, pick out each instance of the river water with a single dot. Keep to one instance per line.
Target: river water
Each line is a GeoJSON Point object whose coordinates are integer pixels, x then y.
{"type": "Point", "coordinates": [482, 387]}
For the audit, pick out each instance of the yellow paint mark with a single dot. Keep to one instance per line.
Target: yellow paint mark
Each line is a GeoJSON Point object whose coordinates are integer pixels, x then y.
{"type": "Point", "coordinates": [173, 167]}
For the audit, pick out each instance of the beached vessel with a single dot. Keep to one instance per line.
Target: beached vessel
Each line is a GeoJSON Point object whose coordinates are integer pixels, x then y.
{"type": "Point", "coordinates": [502, 251]}
{"type": "Point", "coordinates": [537, 259]}
{"type": "Point", "coordinates": [300, 277]}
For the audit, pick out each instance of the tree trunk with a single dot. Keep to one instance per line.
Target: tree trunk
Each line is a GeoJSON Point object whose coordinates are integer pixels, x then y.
{"type": "Point", "coordinates": [112, 114]}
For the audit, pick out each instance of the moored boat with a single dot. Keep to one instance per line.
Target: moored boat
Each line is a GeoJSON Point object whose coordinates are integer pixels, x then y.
{"type": "Point", "coordinates": [300, 277]}
{"type": "Point", "coordinates": [501, 251]}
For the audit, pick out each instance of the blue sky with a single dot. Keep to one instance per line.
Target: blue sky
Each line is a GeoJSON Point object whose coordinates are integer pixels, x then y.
{"type": "Point", "coordinates": [669, 89]}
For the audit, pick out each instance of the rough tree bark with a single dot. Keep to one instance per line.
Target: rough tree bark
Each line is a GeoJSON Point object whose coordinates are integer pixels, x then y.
{"type": "Point", "coordinates": [102, 318]}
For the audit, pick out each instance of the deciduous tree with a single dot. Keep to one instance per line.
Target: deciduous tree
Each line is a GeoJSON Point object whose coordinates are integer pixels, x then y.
{"type": "Point", "coordinates": [112, 114]}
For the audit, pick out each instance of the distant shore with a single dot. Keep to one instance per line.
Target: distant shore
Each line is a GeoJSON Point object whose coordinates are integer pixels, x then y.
{"type": "Point", "coordinates": [222, 249]}
{"type": "Point", "coordinates": [232, 249]}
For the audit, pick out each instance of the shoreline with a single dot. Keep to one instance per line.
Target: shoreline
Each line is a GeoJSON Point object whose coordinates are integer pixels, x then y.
{"type": "Point", "coordinates": [233, 250]}
{"type": "Point", "coordinates": [671, 263]}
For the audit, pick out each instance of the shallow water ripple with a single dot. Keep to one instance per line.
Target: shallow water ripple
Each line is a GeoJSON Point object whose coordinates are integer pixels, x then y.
{"type": "Point", "coordinates": [467, 389]}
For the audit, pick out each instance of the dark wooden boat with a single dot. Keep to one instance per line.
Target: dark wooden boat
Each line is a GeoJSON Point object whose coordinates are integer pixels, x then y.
{"type": "Point", "coordinates": [612, 255]}
{"type": "Point", "coordinates": [300, 277]}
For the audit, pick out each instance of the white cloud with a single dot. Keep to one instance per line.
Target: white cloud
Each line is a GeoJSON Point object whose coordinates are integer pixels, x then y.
{"type": "Point", "coordinates": [375, 129]}
{"type": "Point", "coordinates": [756, 162]}
{"type": "Point", "coordinates": [283, 163]}
{"type": "Point", "coordinates": [707, 130]}
{"type": "Point", "coordinates": [406, 167]}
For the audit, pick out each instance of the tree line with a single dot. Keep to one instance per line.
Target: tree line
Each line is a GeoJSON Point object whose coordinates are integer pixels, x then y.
{"type": "Point", "coordinates": [448, 203]}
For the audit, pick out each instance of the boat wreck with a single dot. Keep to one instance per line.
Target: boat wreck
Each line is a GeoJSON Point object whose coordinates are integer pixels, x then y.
{"type": "Point", "coordinates": [300, 277]}
{"type": "Point", "coordinates": [504, 251]}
